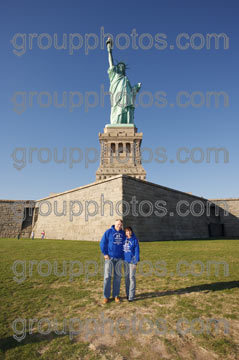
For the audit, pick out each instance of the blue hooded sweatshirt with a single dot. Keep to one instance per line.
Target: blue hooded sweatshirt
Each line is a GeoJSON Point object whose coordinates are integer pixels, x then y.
{"type": "Point", "coordinates": [112, 243]}
{"type": "Point", "coordinates": [131, 250]}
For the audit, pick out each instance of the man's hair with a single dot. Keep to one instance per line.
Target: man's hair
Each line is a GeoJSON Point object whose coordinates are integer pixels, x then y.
{"type": "Point", "coordinates": [119, 220]}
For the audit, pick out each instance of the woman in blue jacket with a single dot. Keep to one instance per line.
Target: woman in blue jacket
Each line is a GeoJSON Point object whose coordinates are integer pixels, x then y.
{"type": "Point", "coordinates": [131, 258]}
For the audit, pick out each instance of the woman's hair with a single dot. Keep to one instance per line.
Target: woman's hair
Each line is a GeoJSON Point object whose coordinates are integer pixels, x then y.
{"type": "Point", "coordinates": [128, 228]}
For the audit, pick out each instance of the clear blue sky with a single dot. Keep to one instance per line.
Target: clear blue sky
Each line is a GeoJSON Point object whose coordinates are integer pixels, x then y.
{"type": "Point", "coordinates": [168, 70]}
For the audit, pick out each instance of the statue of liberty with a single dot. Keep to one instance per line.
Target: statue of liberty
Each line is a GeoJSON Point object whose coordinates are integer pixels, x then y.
{"type": "Point", "coordinates": [122, 93]}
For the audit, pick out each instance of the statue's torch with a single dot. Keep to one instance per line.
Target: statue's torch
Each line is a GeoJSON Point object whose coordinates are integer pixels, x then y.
{"type": "Point", "coordinates": [109, 44]}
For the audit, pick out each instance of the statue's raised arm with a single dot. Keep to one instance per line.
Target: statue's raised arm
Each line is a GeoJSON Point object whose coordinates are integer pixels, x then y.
{"type": "Point", "coordinates": [109, 44]}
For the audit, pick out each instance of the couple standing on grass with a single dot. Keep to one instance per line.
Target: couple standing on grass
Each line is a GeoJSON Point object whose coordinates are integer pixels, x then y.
{"type": "Point", "coordinates": [119, 246]}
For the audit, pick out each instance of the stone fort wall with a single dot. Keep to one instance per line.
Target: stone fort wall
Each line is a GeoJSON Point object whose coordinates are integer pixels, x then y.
{"type": "Point", "coordinates": [230, 221]}
{"type": "Point", "coordinates": [86, 212]}
{"type": "Point", "coordinates": [89, 211]}
{"type": "Point", "coordinates": [16, 218]}
{"type": "Point", "coordinates": [173, 224]}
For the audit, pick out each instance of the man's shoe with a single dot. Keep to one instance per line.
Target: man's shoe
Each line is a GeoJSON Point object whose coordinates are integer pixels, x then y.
{"type": "Point", "coordinates": [117, 299]}
{"type": "Point", "coordinates": [130, 300]}
{"type": "Point", "coordinates": [105, 301]}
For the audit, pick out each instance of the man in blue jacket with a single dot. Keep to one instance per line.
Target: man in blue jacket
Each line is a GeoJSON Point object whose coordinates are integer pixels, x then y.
{"type": "Point", "coordinates": [111, 246]}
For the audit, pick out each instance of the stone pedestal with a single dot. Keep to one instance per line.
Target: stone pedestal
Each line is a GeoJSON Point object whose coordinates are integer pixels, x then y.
{"type": "Point", "coordinates": [120, 152]}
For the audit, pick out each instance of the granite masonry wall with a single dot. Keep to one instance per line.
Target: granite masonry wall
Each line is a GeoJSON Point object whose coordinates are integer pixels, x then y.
{"type": "Point", "coordinates": [231, 219]}
{"type": "Point", "coordinates": [88, 211]}
{"type": "Point", "coordinates": [16, 218]}
{"type": "Point", "coordinates": [179, 216]}
{"type": "Point", "coordinates": [155, 212]}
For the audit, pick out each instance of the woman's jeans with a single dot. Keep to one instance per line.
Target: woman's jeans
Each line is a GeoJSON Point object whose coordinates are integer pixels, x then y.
{"type": "Point", "coordinates": [110, 265]}
{"type": "Point", "coordinates": [130, 279]}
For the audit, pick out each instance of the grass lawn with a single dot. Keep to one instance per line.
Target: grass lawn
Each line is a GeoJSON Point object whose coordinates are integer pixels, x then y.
{"type": "Point", "coordinates": [51, 301]}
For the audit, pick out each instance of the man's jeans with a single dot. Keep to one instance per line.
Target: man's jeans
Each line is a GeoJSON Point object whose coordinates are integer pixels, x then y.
{"type": "Point", "coordinates": [130, 280]}
{"type": "Point", "coordinates": [116, 265]}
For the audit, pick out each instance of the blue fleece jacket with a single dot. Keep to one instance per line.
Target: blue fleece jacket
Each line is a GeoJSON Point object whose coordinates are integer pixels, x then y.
{"type": "Point", "coordinates": [131, 250]}
{"type": "Point", "coordinates": [112, 243]}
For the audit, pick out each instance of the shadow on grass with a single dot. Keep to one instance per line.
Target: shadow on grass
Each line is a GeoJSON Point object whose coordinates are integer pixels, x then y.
{"type": "Point", "coordinates": [10, 343]}
{"type": "Point", "coordinates": [196, 288]}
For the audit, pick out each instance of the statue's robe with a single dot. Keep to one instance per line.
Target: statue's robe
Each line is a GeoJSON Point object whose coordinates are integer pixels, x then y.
{"type": "Point", "coordinates": [122, 95]}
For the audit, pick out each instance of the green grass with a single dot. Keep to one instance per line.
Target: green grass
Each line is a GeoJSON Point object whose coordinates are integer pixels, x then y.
{"type": "Point", "coordinates": [197, 297]}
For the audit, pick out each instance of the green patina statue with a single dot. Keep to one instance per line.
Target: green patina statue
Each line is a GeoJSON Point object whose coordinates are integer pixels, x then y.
{"type": "Point", "coordinates": [121, 92]}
